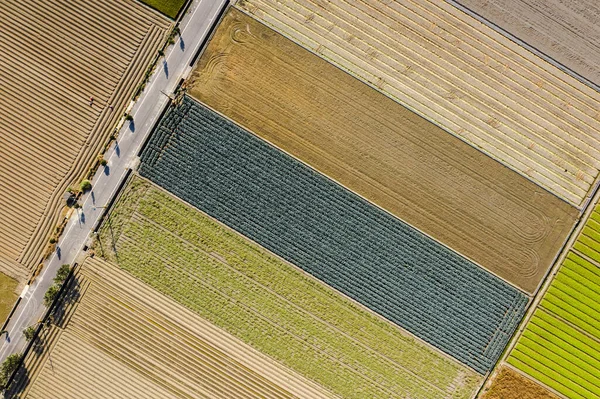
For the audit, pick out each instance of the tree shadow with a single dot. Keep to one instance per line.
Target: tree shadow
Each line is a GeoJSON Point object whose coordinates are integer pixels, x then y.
{"type": "Point", "coordinates": [131, 126]}
{"type": "Point", "coordinates": [181, 43]}
{"type": "Point", "coordinates": [117, 148]}
{"type": "Point", "coordinates": [166, 68]}
{"type": "Point", "coordinates": [18, 384]}
{"type": "Point", "coordinates": [106, 170]}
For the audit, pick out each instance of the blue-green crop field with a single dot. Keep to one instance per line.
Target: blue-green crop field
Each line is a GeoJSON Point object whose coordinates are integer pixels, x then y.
{"type": "Point", "coordinates": [561, 344]}
{"type": "Point", "coordinates": [333, 234]}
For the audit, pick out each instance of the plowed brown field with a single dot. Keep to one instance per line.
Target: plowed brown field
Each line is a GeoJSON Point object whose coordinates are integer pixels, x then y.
{"type": "Point", "coordinates": [461, 74]}
{"type": "Point", "coordinates": [567, 31]}
{"type": "Point", "coordinates": [509, 384]}
{"type": "Point", "coordinates": [381, 150]}
{"type": "Point", "coordinates": [56, 55]}
{"type": "Point", "coordinates": [122, 339]}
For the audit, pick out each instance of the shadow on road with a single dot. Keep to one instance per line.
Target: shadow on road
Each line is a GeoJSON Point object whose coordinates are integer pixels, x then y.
{"type": "Point", "coordinates": [117, 148]}
{"type": "Point", "coordinates": [131, 127]}
{"type": "Point", "coordinates": [107, 170]}
{"type": "Point", "coordinates": [166, 68]}
{"type": "Point", "coordinates": [181, 44]}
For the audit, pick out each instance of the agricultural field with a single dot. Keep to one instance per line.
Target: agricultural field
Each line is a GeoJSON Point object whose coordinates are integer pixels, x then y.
{"type": "Point", "coordinates": [8, 296]}
{"type": "Point", "coordinates": [333, 234]}
{"type": "Point", "coordinates": [272, 306]}
{"type": "Point", "coordinates": [566, 31]}
{"type": "Point", "coordinates": [168, 7]}
{"type": "Point", "coordinates": [509, 384]}
{"type": "Point", "coordinates": [118, 338]}
{"type": "Point", "coordinates": [561, 344]}
{"type": "Point", "coordinates": [61, 55]}
{"type": "Point", "coordinates": [377, 148]}
{"type": "Point", "coordinates": [460, 74]}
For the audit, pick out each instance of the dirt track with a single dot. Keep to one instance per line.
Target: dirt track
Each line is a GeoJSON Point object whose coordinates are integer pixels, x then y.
{"type": "Point", "coordinates": [123, 339]}
{"type": "Point", "coordinates": [58, 55]}
{"type": "Point", "coordinates": [460, 74]}
{"type": "Point", "coordinates": [381, 150]}
{"type": "Point", "coordinates": [567, 31]}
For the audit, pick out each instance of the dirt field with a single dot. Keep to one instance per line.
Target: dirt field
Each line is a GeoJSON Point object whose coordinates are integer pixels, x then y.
{"type": "Point", "coordinates": [381, 150]}
{"type": "Point", "coordinates": [509, 384]}
{"type": "Point", "coordinates": [118, 338]}
{"type": "Point", "coordinates": [567, 31]}
{"type": "Point", "coordinates": [58, 54]}
{"type": "Point", "coordinates": [7, 295]}
{"type": "Point", "coordinates": [460, 74]}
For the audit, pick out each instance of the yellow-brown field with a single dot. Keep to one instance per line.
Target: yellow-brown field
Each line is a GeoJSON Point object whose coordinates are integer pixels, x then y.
{"type": "Point", "coordinates": [461, 74]}
{"type": "Point", "coordinates": [56, 56]}
{"type": "Point", "coordinates": [115, 337]}
{"type": "Point", "coordinates": [509, 384]}
{"type": "Point", "coordinates": [381, 150]}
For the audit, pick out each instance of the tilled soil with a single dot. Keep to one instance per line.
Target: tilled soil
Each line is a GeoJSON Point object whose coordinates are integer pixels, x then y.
{"type": "Point", "coordinates": [566, 31]}
{"type": "Point", "coordinates": [382, 151]}
{"type": "Point", "coordinates": [59, 55]}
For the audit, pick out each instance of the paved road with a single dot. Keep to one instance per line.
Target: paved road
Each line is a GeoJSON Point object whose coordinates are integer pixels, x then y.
{"type": "Point", "coordinates": [194, 28]}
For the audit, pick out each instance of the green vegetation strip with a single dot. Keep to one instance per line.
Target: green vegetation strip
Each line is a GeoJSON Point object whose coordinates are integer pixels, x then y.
{"type": "Point", "coordinates": [561, 344]}
{"type": "Point", "coordinates": [271, 305]}
{"type": "Point", "coordinates": [168, 7]}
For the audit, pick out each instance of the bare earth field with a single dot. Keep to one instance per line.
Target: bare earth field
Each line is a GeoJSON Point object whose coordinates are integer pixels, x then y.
{"type": "Point", "coordinates": [509, 384]}
{"type": "Point", "coordinates": [58, 54]}
{"type": "Point", "coordinates": [460, 74]}
{"type": "Point", "coordinates": [381, 150]}
{"type": "Point", "coordinates": [118, 338]}
{"type": "Point", "coordinates": [567, 31]}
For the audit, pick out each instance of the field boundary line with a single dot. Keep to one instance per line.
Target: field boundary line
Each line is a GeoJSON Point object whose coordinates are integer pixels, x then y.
{"type": "Point", "coordinates": [546, 283]}
{"type": "Point", "coordinates": [360, 196]}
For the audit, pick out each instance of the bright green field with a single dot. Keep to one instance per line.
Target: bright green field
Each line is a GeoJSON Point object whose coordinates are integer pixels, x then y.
{"type": "Point", "coordinates": [7, 295]}
{"type": "Point", "coordinates": [168, 7]}
{"type": "Point", "coordinates": [561, 345]}
{"type": "Point", "coordinates": [271, 305]}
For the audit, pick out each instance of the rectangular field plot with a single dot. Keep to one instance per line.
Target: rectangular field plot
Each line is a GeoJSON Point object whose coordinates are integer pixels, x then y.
{"type": "Point", "coordinates": [56, 55]}
{"type": "Point", "coordinates": [116, 337]}
{"type": "Point", "coordinates": [271, 305]}
{"type": "Point", "coordinates": [381, 150]}
{"type": "Point", "coordinates": [461, 74]}
{"type": "Point", "coordinates": [561, 345]}
{"type": "Point", "coordinates": [566, 31]}
{"type": "Point", "coordinates": [333, 234]}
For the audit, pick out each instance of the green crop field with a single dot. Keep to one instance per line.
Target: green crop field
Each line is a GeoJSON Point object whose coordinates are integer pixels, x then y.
{"type": "Point", "coordinates": [168, 7]}
{"type": "Point", "coordinates": [561, 344]}
{"type": "Point", "coordinates": [8, 296]}
{"type": "Point", "coordinates": [271, 305]}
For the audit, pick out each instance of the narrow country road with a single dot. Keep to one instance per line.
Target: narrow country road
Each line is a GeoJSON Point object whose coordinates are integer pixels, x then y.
{"type": "Point", "coordinates": [194, 28]}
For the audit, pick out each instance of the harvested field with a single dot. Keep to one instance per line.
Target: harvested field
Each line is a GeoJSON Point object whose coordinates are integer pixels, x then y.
{"type": "Point", "coordinates": [509, 384]}
{"type": "Point", "coordinates": [271, 305]}
{"type": "Point", "coordinates": [566, 31]}
{"type": "Point", "coordinates": [381, 150]}
{"type": "Point", "coordinates": [118, 338]}
{"type": "Point", "coordinates": [459, 73]}
{"type": "Point", "coordinates": [333, 234]}
{"type": "Point", "coordinates": [8, 296]}
{"type": "Point", "coordinates": [561, 344]}
{"type": "Point", "coordinates": [58, 54]}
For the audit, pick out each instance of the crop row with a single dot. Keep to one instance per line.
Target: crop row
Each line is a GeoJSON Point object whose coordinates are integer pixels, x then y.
{"type": "Point", "coordinates": [561, 345]}
{"type": "Point", "coordinates": [333, 234]}
{"type": "Point", "coordinates": [272, 306]}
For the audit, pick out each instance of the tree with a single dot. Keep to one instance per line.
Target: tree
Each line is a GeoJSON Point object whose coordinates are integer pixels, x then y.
{"type": "Point", "coordinates": [51, 294]}
{"type": "Point", "coordinates": [62, 274]}
{"type": "Point", "coordinates": [85, 185]}
{"type": "Point", "coordinates": [10, 364]}
{"type": "Point", "coordinates": [29, 333]}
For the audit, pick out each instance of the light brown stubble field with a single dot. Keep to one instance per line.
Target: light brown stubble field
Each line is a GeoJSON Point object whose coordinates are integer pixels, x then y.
{"type": "Point", "coordinates": [566, 31]}
{"type": "Point", "coordinates": [116, 337]}
{"type": "Point", "coordinates": [381, 150]}
{"type": "Point", "coordinates": [56, 55]}
{"type": "Point", "coordinates": [462, 75]}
